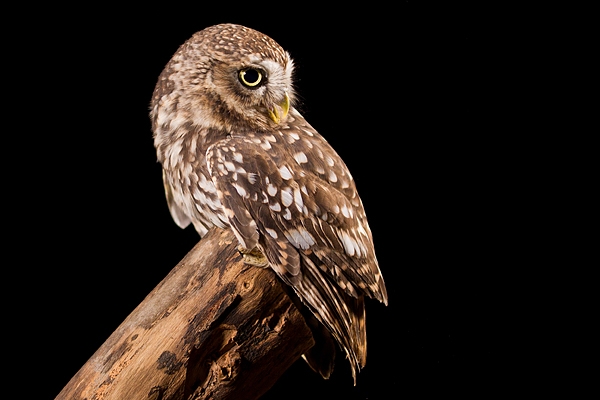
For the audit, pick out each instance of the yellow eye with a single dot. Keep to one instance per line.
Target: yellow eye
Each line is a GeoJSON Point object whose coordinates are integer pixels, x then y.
{"type": "Point", "coordinates": [251, 77]}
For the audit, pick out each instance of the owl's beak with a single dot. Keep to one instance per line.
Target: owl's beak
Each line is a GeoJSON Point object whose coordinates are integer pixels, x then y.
{"type": "Point", "coordinates": [280, 111]}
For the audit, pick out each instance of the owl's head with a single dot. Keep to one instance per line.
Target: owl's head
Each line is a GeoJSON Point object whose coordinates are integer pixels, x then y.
{"type": "Point", "coordinates": [229, 75]}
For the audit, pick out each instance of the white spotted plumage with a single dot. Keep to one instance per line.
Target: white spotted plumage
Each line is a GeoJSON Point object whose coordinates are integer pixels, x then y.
{"type": "Point", "coordinates": [236, 154]}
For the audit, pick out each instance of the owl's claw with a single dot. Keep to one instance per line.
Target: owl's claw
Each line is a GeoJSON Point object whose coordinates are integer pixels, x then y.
{"type": "Point", "coordinates": [253, 257]}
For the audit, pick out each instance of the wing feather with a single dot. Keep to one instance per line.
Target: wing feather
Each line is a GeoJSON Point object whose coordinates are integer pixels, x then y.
{"type": "Point", "coordinates": [296, 202]}
{"type": "Point", "coordinates": [299, 211]}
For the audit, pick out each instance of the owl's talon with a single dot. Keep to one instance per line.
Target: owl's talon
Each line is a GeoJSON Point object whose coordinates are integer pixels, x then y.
{"type": "Point", "coordinates": [253, 257]}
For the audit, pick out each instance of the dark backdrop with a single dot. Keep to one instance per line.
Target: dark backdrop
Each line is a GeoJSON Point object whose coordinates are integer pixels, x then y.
{"type": "Point", "coordinates": [405, 95]}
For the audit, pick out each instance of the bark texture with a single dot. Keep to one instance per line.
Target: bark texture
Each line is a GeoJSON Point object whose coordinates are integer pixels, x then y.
{"type": "Point", "coordinates": [214, 328]}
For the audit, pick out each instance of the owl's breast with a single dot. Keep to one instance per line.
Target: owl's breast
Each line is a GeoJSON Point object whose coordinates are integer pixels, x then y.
{"type": "Point", "coordinates": [192, 191]}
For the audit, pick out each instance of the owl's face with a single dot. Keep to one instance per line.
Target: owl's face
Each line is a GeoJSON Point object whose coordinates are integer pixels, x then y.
{"type": "Point", "coordinates": [258, 87]}
{"type": "Point", "coordinates": [243, 76]}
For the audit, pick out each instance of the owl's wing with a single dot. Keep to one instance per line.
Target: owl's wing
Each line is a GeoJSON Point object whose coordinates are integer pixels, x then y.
{"type": "Point", "coordinates": [295, 200]}
{"type": "Point", "coordinates": [277, 203]}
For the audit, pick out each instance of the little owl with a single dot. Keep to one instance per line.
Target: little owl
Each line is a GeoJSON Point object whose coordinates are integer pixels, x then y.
{"type": "Point", "coordinates": [236, 154]}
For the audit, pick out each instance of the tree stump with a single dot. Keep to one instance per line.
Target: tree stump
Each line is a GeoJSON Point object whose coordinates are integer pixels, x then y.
{"type": "Point", "coordinates": [214, 328]}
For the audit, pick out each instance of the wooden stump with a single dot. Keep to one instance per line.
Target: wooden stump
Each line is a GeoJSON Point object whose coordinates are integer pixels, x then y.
{"type": "Point", "coordinates": [214, 328]}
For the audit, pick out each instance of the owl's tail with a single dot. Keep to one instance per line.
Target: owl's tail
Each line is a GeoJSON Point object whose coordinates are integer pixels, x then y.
{"type": "Point", "coordinates": [342, 315]}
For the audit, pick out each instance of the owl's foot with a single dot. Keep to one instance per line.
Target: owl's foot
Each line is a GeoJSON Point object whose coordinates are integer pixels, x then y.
{"type": "Point", "coordinates": [253, 257]}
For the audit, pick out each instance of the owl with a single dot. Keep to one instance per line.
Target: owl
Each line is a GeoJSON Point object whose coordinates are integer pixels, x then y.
{"type": "Point", "coordinates": [237, 154]}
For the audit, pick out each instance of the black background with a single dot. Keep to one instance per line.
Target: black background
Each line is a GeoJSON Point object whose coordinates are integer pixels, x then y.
{"type": "Point", "coordinates": [407, 96]}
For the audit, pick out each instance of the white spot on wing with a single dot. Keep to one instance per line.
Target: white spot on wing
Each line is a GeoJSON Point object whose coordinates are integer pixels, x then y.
{"type": "Point", "coordinates": [332, 176]}
{"type": "Point", "coordinates": [292, 137]}
{"type": "Point", "coordinates": [287, 214]}
{"type": "Point", "coordinates": [271, 232]}
{"type": "Point", "coordinates": [252, 177]}
{"type": "Point", "coordinates": [287, 197]}
{"type": "Point", "coordinates": [298, 199]}
{"type": "Point", "coordinates": [241, 191]}
{"type": "Point", "coordinates": [308, 132]}
{"type": "Point", "coordinates": [229, 165]}
{"type": "Point", "coordinates": [300, 157]}
{"type": "Point", "coordinates": [300, 238]}
{"type": "Point", "coordinates": [285, 173]}
{"type": "Point", "coordinates": [362, 230]}
{"type": "Point", "coordinates": [348, 242]}
{"type": "Point", "coordinates": [345, 211]}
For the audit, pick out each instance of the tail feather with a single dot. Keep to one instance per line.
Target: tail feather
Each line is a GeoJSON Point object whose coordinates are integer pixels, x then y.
{"type": "Point", "coordinates": [321, 357]}
{"type": "Point", "coordinates": [342, 314]}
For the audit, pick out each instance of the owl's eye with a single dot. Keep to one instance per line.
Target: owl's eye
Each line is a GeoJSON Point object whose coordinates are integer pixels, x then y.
{"type": "Point", "coordinates": [251, 77]}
